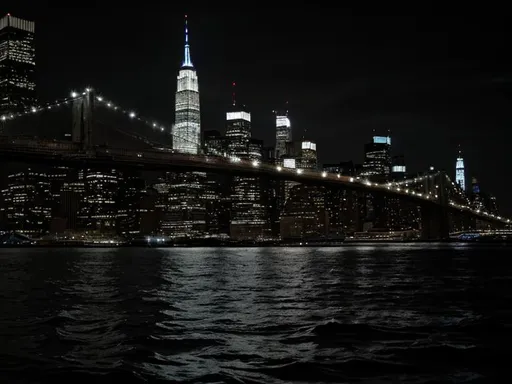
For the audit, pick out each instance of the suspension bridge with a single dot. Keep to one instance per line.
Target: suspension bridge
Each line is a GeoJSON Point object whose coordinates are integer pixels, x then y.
{"type": "Point", "coordinates": [90, 130]}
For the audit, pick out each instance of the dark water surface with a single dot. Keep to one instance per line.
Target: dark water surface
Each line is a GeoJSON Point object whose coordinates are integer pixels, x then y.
{"type": "Point", "coordinates": [374, 314]}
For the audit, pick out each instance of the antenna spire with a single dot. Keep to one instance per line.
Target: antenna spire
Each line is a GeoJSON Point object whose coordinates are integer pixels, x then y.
{"type": "Point", "coordinates": [187, 61]}
{"type": "Point", "coordinates": [233, 85]}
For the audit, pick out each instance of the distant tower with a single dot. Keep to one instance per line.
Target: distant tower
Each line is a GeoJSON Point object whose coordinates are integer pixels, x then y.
{"type": "Point", "coordinates": [247, 210]}
{"type": "Point", "coordinates": [283, 132]}
{"type": "Point", "coordinates": [308, 155]}
{"type": "Point", "coordinates": [459, 171]}
{"type": "Point", "coordinates": [238, 128]}
{"type": "Point", "coordinates": [187, 128]}
{"type": "Point", "coordinates": [377, 157]}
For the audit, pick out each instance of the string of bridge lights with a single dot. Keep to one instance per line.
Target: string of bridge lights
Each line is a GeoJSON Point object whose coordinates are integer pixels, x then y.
{"type": "Point", "coordinates": [130, 113]}
{"type": "Point", "coordinates": [414, 180]}
{"type": "Point", "coordinates": [417, 179]}
{"type": "Point", "coordinates": [458, 189]}
{"type": "Point", "coordinates": [398, 188]}
{"type": "Point", "coordinates": [152, 123]}
{"type": "Point", "coordinates": [37, 109]}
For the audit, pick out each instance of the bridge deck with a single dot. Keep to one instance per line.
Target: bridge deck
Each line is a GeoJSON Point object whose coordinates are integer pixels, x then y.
{"type": "Point", "coordinates": [69, 153]}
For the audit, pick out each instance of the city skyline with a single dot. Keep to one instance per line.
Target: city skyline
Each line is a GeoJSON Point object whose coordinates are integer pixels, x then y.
{"type": "Point", "coordinates": [349, 131]}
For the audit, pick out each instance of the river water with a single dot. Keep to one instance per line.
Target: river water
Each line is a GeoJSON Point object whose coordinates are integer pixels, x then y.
{"type": "Point", "coordinates": [366, 314]}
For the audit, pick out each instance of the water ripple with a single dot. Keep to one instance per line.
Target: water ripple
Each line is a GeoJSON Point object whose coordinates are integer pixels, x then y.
{"type": "Point", "coordinates": [410, 313]}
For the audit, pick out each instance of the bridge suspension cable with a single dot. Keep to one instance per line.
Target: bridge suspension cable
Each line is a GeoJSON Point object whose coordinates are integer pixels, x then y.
{"type": "Point", "coordinates": [107, 103]}
{"type": "Point", "coordinates": [415, 179]}
{"type": "Point", "coordinates": [456, 187]}
{"type": "Point", "coordinates": [151, 123]}
{"type": "Point", "coordinates": [44, 107]}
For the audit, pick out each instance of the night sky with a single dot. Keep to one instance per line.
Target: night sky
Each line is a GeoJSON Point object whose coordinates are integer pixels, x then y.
{"type": "Point", "coordinates": [436, 77]}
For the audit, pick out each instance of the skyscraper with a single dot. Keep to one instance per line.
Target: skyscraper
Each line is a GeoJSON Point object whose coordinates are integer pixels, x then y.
{"type": "Point", "coordinates": [238, 129]}
{"type": "Point", "coordinates": [460, 179]}
{"type": "Point", "coordinates": [186, 131]}
{"type": "Point", "coordinates": [17, 65]}
{"type": "Point", "coordinates": [377, 161]}
{"type": "Point", "coordinates": [186, 199]}
{"type": "Point", "coordinates": [247, 212]}
{"type": "Point", "coordinates": [398, 170]}
{"type": "Point", "coordinates": [283, 133]}
{"type": "Point", "coordinates": [308, 157]}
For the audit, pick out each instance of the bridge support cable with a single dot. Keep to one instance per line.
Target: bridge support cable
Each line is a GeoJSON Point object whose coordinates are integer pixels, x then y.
{"type": "Point", "coordinates": [44, 120]}
{"type": "Point", "coordinates": [152, 124]}
{"type": "Point", "coordinates": [83, 119]}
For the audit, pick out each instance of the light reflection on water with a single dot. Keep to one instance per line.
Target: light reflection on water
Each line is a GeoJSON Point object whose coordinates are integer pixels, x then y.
{"type": "Point", "coordinates": [264, 315]}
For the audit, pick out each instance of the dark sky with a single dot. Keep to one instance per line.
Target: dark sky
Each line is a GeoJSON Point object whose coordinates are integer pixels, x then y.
{"type": "Point", "coordinates": [435, 77]}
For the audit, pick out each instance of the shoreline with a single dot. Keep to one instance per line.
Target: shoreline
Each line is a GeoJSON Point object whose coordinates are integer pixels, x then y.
{"type": "Point", "coordinates": [261, 245]}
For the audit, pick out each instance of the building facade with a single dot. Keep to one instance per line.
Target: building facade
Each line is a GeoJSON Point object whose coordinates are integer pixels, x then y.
{"type": "Point", "coordinates": [398, 170]}
{"type": "Point", "coordinates": [238, 131]}
{"type": "Point", "coordinates": [28, 202]}
{"type": "Point", "coordinates": [248, 218]}
{"type": "Point", "coordinates": [283, 133]}
{"type": "Point", "coordinates": [377, 158]}
{"type": "Point", "coordinates": [17, 65]}
{"type": "Point", "coordinates": [308, 155]}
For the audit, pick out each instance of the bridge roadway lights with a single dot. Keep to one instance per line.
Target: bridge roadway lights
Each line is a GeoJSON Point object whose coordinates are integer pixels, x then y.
{"type": "Point", "coordinates": [60, 151]}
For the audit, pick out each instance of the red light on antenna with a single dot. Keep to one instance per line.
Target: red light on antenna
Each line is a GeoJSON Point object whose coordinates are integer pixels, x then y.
{"type": "Point", "coordinates": [185, 16]}
{"type": "Point", "coordinates": [8, 14]}
{"type": "Point", "coordinates": [234, 84]}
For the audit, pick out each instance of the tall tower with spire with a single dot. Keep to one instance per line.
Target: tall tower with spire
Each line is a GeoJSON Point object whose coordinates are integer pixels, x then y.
{"type": "Point", "coordinates": [460, 178]}
{"type": "Point", "coordinates": [186, 131]}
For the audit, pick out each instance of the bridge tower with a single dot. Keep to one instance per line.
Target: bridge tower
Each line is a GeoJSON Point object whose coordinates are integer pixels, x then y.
{"type": "Point", "coordinates": [434, 217]}
{"type": "Point", "coordinates": [82, 119]}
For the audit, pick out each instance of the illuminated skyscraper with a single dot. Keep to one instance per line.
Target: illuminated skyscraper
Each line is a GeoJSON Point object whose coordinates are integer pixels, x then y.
{"type": "Point", "coordinates": [247, 212]}
{"type": "Point", "coordinates": [283, 133]}
{"type": "Point", "coordinates": [238, 129]}
{"type": "Point", "coordinates": [460, 179]}
{"type": "Point", "coordinates": [398, 170]}
{"type": "Point", "coordinates": [185, 216]}
{"type": "Point", "coordinates": [98, 209]}
{"type": "Point", "coordinates": [17, 65]}
{"type": "Point", "coordinates": [377, 161]}
{"type": "Point", "coordinates": [308, 157]}
{"type": "Point", "coordinates": [187, 128]}
{"type": "Point", "coordinates": [28, 202]}
{"type": "Point", "coordinates": [476, 196]}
